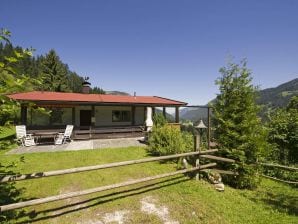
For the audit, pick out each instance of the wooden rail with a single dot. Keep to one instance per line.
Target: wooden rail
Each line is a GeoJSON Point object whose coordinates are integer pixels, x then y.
{"type": "Point", "coordinates": [280, 166]}
{"type": "Point", "coordinates": [98, 189]}
{"type": "Point", "coordinates": [218, 158]}
{"type": "Point", "coordinates": [97, 167]}
{"type": "Point", "coordinates": [280, 180]}
{"type": "Point", "coordinates": [223, 171]}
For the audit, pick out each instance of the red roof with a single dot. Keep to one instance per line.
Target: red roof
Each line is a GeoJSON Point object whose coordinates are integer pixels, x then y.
{"type": "Point", "coordinates": [42, 96]}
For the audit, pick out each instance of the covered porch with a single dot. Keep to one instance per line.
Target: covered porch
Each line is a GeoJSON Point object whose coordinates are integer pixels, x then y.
{"type": "Point", "coordinates": [93, 115]}
{"type": "Point", "coordinates": [94, 121]}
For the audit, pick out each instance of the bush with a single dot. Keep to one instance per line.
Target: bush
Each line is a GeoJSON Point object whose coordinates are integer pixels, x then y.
{"type": "Point", "coordinates": [166, 140]}
{"type": "Point", "coordinates": [248, 177]}
{"type": "Point", "coordinates": [159, 120]}
{"type": "Point", "coordinates": [9, 193]}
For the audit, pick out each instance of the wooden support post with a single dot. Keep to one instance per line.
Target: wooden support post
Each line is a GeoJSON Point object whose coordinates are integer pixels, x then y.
{"type": "Point", "coordinates": [197, 149]}
{"type": "Point", "coordinates": [74, 116]}
{"type": "Point", "coordinates": [164, 112]}
{"type": "Point", "coordinates": [92, 115]}
{"type": "Point", "coordinates": [133, 115]}
{"type": "Point", "coordinates": [177, 114]}
{"type": "Point", "coordinates": [153, 111]}
{"type": "Point", "coordinates": [24, 114]}
{"type": "Point", "coordinates": [145, 112]}
{"type": "Point", "coordinates": [197, 143]}
{"type": "Point", "coordinates": [209, 127]}
{"type": "Point", "coordinates": [198, 165]}
{"type": "Point", "coordinates": [92, 120]}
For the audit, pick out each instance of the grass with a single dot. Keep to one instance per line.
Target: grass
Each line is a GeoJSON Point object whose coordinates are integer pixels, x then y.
{"type": "Point", "coordinates": [187, 200]}
{"type": "Point", "coordinates": [6, 132]}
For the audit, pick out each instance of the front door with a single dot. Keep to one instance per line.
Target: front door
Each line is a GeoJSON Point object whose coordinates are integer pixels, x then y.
{"type": "Point", "coordinates": [85, 118]}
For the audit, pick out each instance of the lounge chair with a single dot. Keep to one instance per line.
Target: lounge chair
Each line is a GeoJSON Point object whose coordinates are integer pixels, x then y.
{"type": "Point", "coordinates": [63, 137]}
{"type": "Point", "coordinates": [22, 136]}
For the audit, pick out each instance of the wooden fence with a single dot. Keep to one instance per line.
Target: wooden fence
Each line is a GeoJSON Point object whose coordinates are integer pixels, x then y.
{"type": "Point", "coordinates": [108, 187]}
{"type": "Point", "coordinates": [292, 169]}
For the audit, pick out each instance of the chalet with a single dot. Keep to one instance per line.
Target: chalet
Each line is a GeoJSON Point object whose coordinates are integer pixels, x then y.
{"type": "Point", "coordinates": [92, 113]}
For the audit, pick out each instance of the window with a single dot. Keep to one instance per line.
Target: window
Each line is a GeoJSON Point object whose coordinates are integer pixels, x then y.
{"type": "Point", "coordinates": [121, 116]}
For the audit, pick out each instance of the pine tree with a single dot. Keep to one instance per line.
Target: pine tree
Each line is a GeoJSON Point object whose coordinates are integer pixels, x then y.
{"type": "Point", "coordinates": [238, 129]}
{"type": "Point", "coordinates": [97, 90]}
{"type": "Point", "coordinates": [54, 73]}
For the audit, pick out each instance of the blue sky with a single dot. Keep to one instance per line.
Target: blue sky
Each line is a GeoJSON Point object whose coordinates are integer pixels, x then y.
{"type": "Point", "coordinates": [167, 48]}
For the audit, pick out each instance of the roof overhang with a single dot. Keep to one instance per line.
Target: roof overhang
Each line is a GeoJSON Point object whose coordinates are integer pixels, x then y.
{"type": "Point", "coordinates": [75, 99]}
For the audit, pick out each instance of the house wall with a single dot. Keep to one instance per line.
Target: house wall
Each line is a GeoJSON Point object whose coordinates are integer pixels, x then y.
{"type": "Point", "coordinates": [103, 115]}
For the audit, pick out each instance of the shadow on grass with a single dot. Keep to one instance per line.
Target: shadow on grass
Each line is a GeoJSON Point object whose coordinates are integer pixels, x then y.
{"type": "Point", "coordinates": [81, 205]}
{"type": "Point", "coordinates": [284, 202]}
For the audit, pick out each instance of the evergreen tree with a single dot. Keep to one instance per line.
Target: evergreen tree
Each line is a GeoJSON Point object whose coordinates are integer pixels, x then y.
{"type": "Point", "coordinates": [283, 133]}
{"type": "Point", "coordinates": [238, 130]}
{"type": "Point", "coordinates": [75, 82]}
{"type": "Point", "coordinates": [54, 73]}
{"type": "Point", "coordinates": [97, 90]}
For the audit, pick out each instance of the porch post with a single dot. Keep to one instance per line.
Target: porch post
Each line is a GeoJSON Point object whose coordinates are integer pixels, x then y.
{"type": "Point", "coordinates": [73, 116]}
{"type": "Point", "coordinates": [177, 114]}
{"type": "Point", "coordinates": [149, 122]}
{"type": "Point", "coordinates": [133, 114]}
{"type": "Point", "coordinates": [23, 114]}
{"type": "Point", "coordinates": [92, 116]}
{"type": "Point", "coordinates": [164, 112]}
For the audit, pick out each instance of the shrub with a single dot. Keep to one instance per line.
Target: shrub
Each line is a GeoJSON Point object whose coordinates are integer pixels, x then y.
{"type": "Point", "coordinates": [248, 177]}
{"type": "Point", "coordinates": [159, 120]}
{"type": "Point", "coordinates": [166, 140]}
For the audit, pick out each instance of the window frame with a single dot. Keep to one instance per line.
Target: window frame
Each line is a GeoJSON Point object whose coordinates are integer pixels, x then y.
{"type": "Point", "coordinates": [123, 116]}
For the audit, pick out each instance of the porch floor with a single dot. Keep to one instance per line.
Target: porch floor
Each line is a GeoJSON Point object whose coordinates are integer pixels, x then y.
{"type": "Point", "coordinates": [81, 145]}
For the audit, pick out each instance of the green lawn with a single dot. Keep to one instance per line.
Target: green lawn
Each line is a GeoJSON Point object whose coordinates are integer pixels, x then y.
{"type": "Point", "coordinates": [6, 132]}
{"type": "Point", "coordinates": [178, 198]}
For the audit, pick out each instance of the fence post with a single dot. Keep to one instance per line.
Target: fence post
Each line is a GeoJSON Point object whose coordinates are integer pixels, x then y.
{"type": "Point", "coordinates": [197, 143]}
{"type": "Point", "coordinates": [197, 148]}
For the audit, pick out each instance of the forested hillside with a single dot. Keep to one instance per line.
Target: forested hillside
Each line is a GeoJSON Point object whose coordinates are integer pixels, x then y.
{"type": "Point", "coordinates": [54, 74]}
{"type": "Point", "coordinates": [280, 95]}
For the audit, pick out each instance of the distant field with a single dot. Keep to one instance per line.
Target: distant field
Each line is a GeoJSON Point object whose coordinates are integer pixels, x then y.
{"type": "Point", "coordinates": [173, 200]}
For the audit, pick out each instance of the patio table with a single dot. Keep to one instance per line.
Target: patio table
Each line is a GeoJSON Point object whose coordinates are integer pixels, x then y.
{"type": "Point", "coordinates": [45, 134]}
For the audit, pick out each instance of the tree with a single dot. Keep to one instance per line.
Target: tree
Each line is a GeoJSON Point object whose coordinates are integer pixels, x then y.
{"type": "Point", "coordinates": [54, 73]}
{"type": "Point", "coordinates": [238, 130]}
{"type": "Point", "coordinates": [283, 133]}
{"type": "Point", "coordinates": [10, 81]}
{"type": "Point", "coordinates": [75, 82]}
{"type": "Point", "coordinates": [97, 90]}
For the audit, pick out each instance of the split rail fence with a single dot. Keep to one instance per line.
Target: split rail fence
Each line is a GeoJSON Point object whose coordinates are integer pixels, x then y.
{"type": "Point", "coordinates": [198, 167]}
{"type": "Point", "coordinates": [292, 169]}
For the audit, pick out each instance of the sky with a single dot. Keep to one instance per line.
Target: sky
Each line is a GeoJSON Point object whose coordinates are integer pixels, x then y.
{"type": "Point", "coordinates": [167, 48]}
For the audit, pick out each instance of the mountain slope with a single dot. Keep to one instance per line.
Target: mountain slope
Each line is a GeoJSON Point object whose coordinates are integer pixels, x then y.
{"type": "Point", "coordinates": [280, 95]}
{"type": "Point", "coordinates": [272, 97]}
